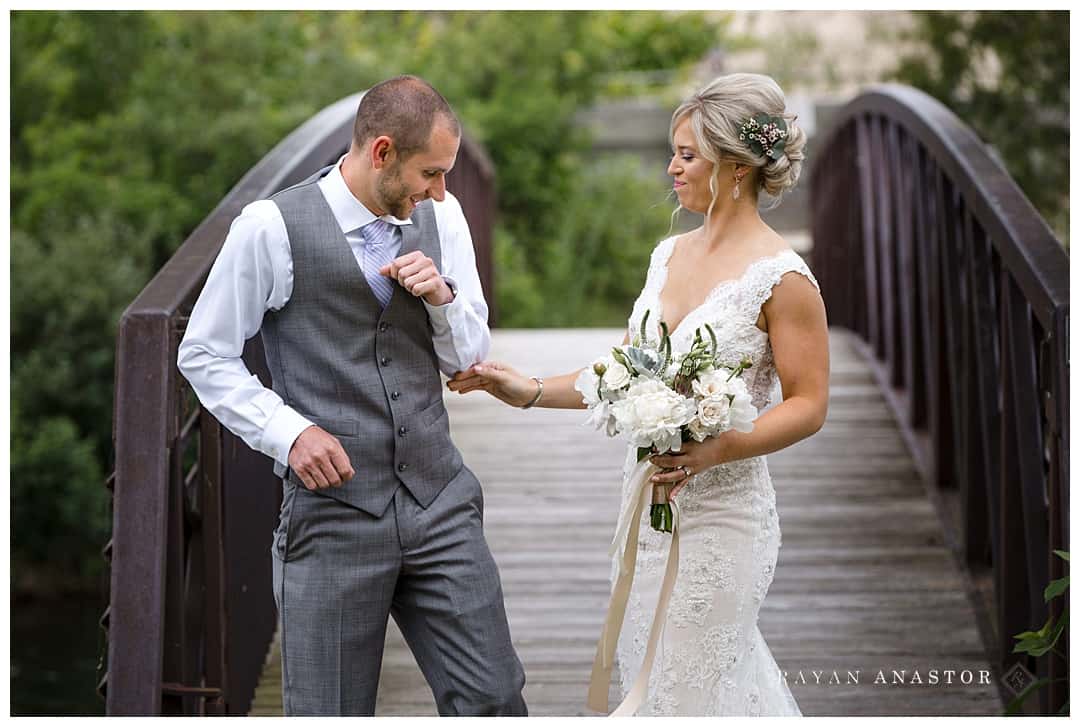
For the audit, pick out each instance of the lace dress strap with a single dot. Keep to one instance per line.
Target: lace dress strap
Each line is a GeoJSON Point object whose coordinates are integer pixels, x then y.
{"type": "Point", "coordinates": [658, 260]}
{"type": "Point", "coordinates": [761, 279]}
{"type": "Point", "coordinates": [654, 282]}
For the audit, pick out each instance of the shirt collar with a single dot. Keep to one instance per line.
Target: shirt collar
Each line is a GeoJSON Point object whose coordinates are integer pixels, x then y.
{"type": "Point", "coordinates": [350, 213]}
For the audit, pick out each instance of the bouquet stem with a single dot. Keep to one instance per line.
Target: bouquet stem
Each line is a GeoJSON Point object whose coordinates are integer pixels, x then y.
{"type": "Point", "coordinates": [660, 515]}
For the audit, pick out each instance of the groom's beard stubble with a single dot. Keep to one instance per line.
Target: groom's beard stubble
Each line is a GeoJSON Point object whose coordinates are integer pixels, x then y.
{"type": "Point", "coordinates": [393, 194]}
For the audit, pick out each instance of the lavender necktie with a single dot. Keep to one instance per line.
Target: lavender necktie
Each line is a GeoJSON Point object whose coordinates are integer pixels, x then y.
{"type": "Point", "coordinates": [378, 236]}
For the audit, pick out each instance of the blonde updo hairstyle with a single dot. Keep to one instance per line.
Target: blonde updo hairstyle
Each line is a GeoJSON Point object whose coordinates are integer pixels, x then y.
{"type": "Point", "coordinates": [717, 111]}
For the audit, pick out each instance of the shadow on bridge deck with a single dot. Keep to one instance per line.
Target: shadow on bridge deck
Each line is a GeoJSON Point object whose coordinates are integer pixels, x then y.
{"type": "Point", "coordinates": [865, 581]}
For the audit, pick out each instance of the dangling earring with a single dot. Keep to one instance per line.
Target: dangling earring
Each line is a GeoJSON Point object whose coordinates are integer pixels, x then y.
{"type": "Point", "coordinates": [735, 192]}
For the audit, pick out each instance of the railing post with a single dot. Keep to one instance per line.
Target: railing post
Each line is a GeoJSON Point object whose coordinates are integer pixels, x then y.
{"type": "Point", "coordinates": [136, 620]}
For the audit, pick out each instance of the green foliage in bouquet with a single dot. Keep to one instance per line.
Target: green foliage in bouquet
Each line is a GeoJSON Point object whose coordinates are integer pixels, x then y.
{"type": "Point", "coordinates": [639, 359]}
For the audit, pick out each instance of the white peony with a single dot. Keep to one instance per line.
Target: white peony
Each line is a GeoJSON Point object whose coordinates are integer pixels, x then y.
{"type": "Point", "coordinates": [651, 414]}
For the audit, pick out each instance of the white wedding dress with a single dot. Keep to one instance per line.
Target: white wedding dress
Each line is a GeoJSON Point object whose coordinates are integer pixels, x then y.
{"type": "Point", "coordinates": [712, 659]}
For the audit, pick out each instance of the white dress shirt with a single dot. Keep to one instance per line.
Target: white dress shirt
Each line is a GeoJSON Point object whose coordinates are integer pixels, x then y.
{"type": "Point", "coordinates": [253, 274]}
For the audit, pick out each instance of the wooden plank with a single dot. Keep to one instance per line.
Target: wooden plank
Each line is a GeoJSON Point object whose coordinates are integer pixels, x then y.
{"type": "Point", "coordinates": [865, 580]}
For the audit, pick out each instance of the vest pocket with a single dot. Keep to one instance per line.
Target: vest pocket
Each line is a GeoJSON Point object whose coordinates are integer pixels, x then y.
{"type": "Point", "coordinates": [432, 413]}
{"type": "Point", "coordinates": [339, 427]}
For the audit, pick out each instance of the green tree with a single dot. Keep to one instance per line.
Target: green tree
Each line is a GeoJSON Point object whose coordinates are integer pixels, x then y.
{"type": "Point", "coordinates": [129, 127]}
{"type": "Point", "coordinates": [1006, 74]}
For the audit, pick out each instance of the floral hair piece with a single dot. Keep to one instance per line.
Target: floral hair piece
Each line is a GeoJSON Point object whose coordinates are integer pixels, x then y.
{"type": "Point", "coordinates": [765, 134]}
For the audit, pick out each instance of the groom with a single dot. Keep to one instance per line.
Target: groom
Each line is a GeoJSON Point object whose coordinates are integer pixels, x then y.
{"type": "Point", "coordinates": [363, 282]}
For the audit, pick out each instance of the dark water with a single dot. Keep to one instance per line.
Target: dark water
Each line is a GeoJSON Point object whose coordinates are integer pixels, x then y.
{"type": "Point", "coordinates": [55, 647]}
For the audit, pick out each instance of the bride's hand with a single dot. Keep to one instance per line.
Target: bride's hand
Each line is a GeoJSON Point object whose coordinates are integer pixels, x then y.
{"type": "Point", "coordinates": [696, 457]}
{"type": "Point", "coordinates": [497, 379]}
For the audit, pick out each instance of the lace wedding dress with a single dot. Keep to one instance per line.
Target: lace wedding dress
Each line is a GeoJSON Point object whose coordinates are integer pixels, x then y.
{"type": "Point", "coordinates": [712, 659]}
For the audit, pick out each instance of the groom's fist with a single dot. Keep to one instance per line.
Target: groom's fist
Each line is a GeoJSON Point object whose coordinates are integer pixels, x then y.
{"type": "Point", "coordinates": [319, 460]}
{"type": "Point", "coordinates": [416, 272]}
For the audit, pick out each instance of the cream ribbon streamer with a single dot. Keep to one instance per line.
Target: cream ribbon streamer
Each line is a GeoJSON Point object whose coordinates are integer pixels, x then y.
{"type": "Point", "coordinates": [625, 544]}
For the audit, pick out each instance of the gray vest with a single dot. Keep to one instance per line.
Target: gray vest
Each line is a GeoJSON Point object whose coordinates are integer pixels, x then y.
{"type": "Point", "coordinates": [368, 376]}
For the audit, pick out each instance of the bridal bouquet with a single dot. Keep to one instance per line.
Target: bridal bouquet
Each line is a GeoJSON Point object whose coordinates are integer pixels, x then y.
{"type": "Point", "coordinates": [658, 401]}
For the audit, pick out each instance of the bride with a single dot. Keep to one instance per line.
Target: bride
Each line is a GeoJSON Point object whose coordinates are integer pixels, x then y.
{"type": "Point", "coordinates": [730, 141]}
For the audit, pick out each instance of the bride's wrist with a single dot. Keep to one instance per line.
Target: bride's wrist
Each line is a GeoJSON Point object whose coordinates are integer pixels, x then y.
{"type": "Point", "coordinates": [534, 398]}
{"type": "Point", "coordinates": [717, 449]}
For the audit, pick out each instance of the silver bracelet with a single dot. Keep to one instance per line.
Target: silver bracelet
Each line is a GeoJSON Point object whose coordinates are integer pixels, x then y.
{"type": "Point", "coordinates": [539, 392]}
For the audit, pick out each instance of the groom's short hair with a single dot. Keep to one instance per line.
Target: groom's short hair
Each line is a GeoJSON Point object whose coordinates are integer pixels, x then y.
{"type": "Point", "coordinates": [404, 108]}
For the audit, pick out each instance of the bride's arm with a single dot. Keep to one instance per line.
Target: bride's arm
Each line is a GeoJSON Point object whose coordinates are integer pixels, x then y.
{"type": "Point", "coordinates": [506, 384]}
{"type": "Point", "coordinates": [798, 334]}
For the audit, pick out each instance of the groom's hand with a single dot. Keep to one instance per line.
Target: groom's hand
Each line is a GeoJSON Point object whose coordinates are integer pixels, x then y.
{"type": "Point", "coordinates": [319, 460]}
{"type": "Point", "coordinates": [416, 272]}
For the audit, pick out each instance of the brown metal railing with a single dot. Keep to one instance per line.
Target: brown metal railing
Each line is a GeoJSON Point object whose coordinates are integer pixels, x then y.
{"type": "Point", "coordinates": [191, 612]}
{"type": "Point", "coordinates": [925, 246]}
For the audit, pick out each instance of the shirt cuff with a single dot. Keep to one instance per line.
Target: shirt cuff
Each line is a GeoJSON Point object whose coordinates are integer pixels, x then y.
{"type": "Point", "coordinates": [440, 312]}
{"type": "Point", "coordinates": [280, 433]}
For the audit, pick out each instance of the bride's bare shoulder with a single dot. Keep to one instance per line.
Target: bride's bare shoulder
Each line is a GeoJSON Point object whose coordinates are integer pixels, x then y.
{"type": "Point", "coordinates": [773, 243]}
{"type": "Point", "coordinates": [675, 241]}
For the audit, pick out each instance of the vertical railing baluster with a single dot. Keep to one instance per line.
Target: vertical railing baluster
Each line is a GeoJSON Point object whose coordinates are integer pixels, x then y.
{"type": "Point", "coordinates": [979, 495]}
{"type": "Point", "coordinates": [867, 134]}
{"type": "Point", "coordinates": [882, 244]}
{"type": "Point", "coordinates": [891, 303]}
{"type": "Point", "coordinates": [1013, 613]}
{"type": "Point", "coordinates": [1057, 415]}
{"type": "Point", "coordinates": [176, 540]}
{"type": "Point", "coordinates": [210, 434]}
{"type": "Point", "coordinates": [941, 390]}
{"type": "Point", "coordinates": [919, 362]}
{"type": "Point", "coordinates": [858, 212]}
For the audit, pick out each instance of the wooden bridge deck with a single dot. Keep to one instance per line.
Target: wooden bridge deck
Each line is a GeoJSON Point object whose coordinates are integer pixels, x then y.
{"type": "Point", "coordinates": [864, 582]}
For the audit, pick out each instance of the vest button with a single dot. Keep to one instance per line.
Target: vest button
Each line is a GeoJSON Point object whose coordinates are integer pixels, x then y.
{"type": "Point", "coordinates": [402, 467]}
{"type": "Point", "coordinates": [402, 431]}
{"type": "Point", "coordinates": [383, 326]}
{"type": "Point", "coordinates": [394, 395]}
{"type": "Point", "coordinates": [384, 360]}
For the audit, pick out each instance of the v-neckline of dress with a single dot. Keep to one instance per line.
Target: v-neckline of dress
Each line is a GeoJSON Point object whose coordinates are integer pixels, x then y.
{"type": "Point", "coordinates": [662, 283]}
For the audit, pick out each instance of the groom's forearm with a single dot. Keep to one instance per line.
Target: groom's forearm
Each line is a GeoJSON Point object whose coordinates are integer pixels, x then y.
{"type": "Point", "coordinates": [559, 393]}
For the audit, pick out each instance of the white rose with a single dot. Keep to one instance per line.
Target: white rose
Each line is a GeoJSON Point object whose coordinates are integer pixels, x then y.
{"type": "Point", "coordinates": [697, 430]}
{"type": "Point", "coordinates": [711, 383]}
{"type": "Point", "coordinates": [714, 412]}
{"type": "Point", "coordinates": [615, 377]}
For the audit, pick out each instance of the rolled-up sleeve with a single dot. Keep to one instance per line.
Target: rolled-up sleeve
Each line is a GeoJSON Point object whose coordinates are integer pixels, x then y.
{"type": "Point", "coordinates": [252, 274]}
{"type": "Point", "coordinates": [461, 336]}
